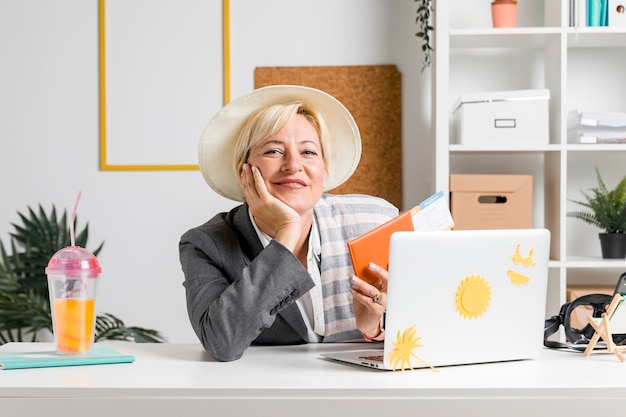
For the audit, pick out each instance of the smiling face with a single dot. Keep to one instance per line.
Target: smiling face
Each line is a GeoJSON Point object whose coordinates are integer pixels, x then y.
{"type": "Point", "coordinates": [292, 164]}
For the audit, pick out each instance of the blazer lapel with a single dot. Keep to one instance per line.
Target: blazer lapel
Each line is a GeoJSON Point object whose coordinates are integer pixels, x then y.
{"type": "Point", "coordinates": [251, 247]}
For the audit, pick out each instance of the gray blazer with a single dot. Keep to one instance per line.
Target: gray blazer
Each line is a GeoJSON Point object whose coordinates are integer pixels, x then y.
{"type": "Point", "coordinates": [262, 297]}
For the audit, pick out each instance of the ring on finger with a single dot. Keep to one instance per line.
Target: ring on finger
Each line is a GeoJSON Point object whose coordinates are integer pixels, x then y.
{"type": "Point", "coordinates": [377, 298]}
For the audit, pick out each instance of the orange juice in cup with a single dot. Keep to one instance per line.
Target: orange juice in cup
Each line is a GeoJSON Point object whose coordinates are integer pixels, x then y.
{"type": "Point", "coordinates": [73, 324]}
{"type": "Point", "coordinates": [72, 282]}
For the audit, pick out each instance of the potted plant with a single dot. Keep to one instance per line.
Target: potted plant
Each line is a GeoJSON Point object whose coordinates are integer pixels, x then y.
{"type": "Point", "coordinates": [608, 213]}
{"type": "Point", "coordinates": [424, 13]}
{"type": "Point", "coordinates": [24, 302]}
{"type": "Point", "coordinates": [504, 13]}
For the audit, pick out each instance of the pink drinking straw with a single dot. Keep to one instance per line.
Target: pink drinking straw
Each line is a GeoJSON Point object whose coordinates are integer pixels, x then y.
{"type": "Point", "coordinates": [72, 241]}
{"type": "Point", "coordinates": [83, 285]}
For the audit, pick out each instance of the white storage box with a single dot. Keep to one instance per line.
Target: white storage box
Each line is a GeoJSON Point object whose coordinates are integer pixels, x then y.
{"type": "Point", "coordinates": [503, 118]}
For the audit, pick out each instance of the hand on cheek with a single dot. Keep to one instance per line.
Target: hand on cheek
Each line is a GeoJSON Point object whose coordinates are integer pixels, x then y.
{"type": "Point", "coordinates": [274, 217]}
{"type": "Point", "coordinates": [249, 186]}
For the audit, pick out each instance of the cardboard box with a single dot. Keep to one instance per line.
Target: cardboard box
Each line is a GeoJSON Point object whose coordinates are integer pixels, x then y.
{"type": "Point", "coordinates": [575, 291]}
{"type": "Point", "coordinates": [578, 319]}
{"type": "Point", "coordinates": [504, 118]}
{"type": "Point", "coordinates": [491, 201]}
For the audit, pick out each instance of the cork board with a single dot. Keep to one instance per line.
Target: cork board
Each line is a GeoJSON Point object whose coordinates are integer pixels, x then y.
{"type": "Point", "coordinates": [373, 95]}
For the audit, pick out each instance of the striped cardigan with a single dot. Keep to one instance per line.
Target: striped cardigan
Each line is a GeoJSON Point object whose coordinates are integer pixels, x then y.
{"type": "Point", "coordinates": [341, 218]}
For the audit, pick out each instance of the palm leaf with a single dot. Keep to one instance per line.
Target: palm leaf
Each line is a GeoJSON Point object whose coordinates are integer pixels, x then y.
{"type": "Point", "coordinates": [110, 327]}
{"type": "Point", "coordinates": [8, 277]}
{"type": "Point", "coordinates": [21, 311]}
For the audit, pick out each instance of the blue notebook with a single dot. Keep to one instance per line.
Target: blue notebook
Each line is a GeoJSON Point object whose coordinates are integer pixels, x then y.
{"type": "Point", "coordinates": [96, 356]}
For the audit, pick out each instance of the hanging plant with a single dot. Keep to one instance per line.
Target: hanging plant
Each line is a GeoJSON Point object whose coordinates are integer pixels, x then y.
{"type": "Point", "coordinates": [424, 12]}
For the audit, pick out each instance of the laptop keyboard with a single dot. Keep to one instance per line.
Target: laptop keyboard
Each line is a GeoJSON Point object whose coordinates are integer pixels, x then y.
{"type": "Point", "coordinates": [372, 358]}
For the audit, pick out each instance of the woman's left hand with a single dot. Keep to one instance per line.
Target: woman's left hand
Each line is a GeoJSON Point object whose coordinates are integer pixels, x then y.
{"type": "Point", "coordinates": [370, 301]}
{"type": "Point", "coordinates": [278, 219]}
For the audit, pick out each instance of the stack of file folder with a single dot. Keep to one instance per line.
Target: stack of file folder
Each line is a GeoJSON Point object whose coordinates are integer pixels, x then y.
{"type": "Point", "coordinates": [583, 127]}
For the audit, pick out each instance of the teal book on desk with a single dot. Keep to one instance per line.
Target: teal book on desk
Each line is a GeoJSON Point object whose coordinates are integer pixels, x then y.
{"type": "Point", "coordinates": [98, 355]}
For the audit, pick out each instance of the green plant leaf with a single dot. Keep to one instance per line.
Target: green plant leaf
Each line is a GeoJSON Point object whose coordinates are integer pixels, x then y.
{"type": "Point", "coordinates": [22, 314]}
{"type": "Point", "coordinates": [110, 327]}
{"type": "Point", "coordinates": [8, 277]}
{"type": "Point", "coordinates": [24, 300]}
{"type": "Point", "coordinates": [607, 206]}
{"type": "Point", "coordinates": [422, 19]}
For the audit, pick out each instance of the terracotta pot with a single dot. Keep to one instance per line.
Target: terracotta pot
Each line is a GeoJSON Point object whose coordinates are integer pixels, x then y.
{"type": "Point", "coordinates": [504, 13]}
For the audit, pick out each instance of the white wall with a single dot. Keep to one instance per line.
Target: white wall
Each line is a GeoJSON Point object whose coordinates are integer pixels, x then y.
{"type": "Point", "coordinates": [49, 130]}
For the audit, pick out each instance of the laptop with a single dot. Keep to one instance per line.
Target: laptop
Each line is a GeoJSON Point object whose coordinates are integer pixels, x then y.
{"type": "Point", "coordinates": [461, 297]}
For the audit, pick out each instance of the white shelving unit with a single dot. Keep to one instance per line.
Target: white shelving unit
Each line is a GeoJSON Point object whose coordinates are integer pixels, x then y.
{"type": "Point", "coordinates": [582, 67]}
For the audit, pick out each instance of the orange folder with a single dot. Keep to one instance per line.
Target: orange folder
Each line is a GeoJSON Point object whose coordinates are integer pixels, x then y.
{"type": "Point", "coordinates": [373, 246]}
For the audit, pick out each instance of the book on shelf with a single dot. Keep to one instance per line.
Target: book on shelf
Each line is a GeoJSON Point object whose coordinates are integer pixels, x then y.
{"type": "Point", "coordinates": [578, 136]}
{"type": "Point", "coordinates": [584, 127]}
{"type": "Point", "coordinates": [596, 119]}
{"type": "Point", "coordinates": [593, 139]}
{"type": "Point", "coordinates": [373, 246]}
{"type": "Point", "coordinates": [597, 12]}
{"type": "Point", "coordinates": [578, 13]}
{"type": "Point", "coordinates": [583, 13]}
{"type": "Point", "coordinates": [98, 355]}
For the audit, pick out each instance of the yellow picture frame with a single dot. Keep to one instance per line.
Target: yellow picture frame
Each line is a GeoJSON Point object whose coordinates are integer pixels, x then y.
{"type": "Point", "coordinates": [104, 163]}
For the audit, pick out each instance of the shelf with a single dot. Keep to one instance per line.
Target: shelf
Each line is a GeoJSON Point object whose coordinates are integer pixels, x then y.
{"type": "Point", "coordinates": [503, 38]}
{"type": "Point", "coordinates": [457, 148]}
{"type": "Point", "coordinates": [608, 147]}
{"type": "Point", "coordinates": [552, 264]}
{"type": "Point", "coordinates": [582, 68]}
{"type": "Point", "coordinates": [587, 262]}
{"type": "Point", "coordinates": [571, 147]}
{"type": "Point", "coordinates": [584, 37]}
{"type": "Point", "coordinates": [596, 37]}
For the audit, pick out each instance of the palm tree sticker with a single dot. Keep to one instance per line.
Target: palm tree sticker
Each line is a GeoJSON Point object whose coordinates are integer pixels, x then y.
{"type": "Point", "coordinates": [404, 346]}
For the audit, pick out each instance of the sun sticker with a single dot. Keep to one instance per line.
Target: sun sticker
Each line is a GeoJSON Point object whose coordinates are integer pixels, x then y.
{"type": "Point", "coordinates": [404, 346]}
{"type": "Point", "coordinates": [472, 297]}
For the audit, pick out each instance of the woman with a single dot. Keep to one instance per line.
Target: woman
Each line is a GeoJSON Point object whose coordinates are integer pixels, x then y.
{"type": "Point", "coordinates": [276, 269]}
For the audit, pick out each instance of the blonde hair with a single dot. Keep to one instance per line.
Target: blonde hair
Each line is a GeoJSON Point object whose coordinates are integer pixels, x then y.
{"type": "Point", "coordinates": [271, 119]}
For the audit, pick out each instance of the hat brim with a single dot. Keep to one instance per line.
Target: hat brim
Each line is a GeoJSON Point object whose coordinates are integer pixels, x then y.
{"type": "Point", "coordinates": [217, 144]}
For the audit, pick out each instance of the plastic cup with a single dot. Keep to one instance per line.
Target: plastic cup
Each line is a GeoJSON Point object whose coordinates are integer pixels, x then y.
{"type": "Point", "coordinates": [72, 283]}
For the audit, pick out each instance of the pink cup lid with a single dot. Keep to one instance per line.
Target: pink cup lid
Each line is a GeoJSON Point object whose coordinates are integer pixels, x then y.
{"type": "Point", "coordinates": [74, 262]}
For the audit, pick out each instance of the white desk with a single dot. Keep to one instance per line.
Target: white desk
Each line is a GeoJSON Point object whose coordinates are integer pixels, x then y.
{"type": "Point", "coordinates": [181, 380]}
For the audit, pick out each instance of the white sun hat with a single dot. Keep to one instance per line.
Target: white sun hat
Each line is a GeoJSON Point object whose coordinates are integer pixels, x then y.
{"type": "Point", "coordinates": [217, 144]}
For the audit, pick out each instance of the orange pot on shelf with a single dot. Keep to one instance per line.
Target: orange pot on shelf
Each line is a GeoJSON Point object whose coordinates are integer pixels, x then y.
{"type": "Point", "coordinates": [504, 13]}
